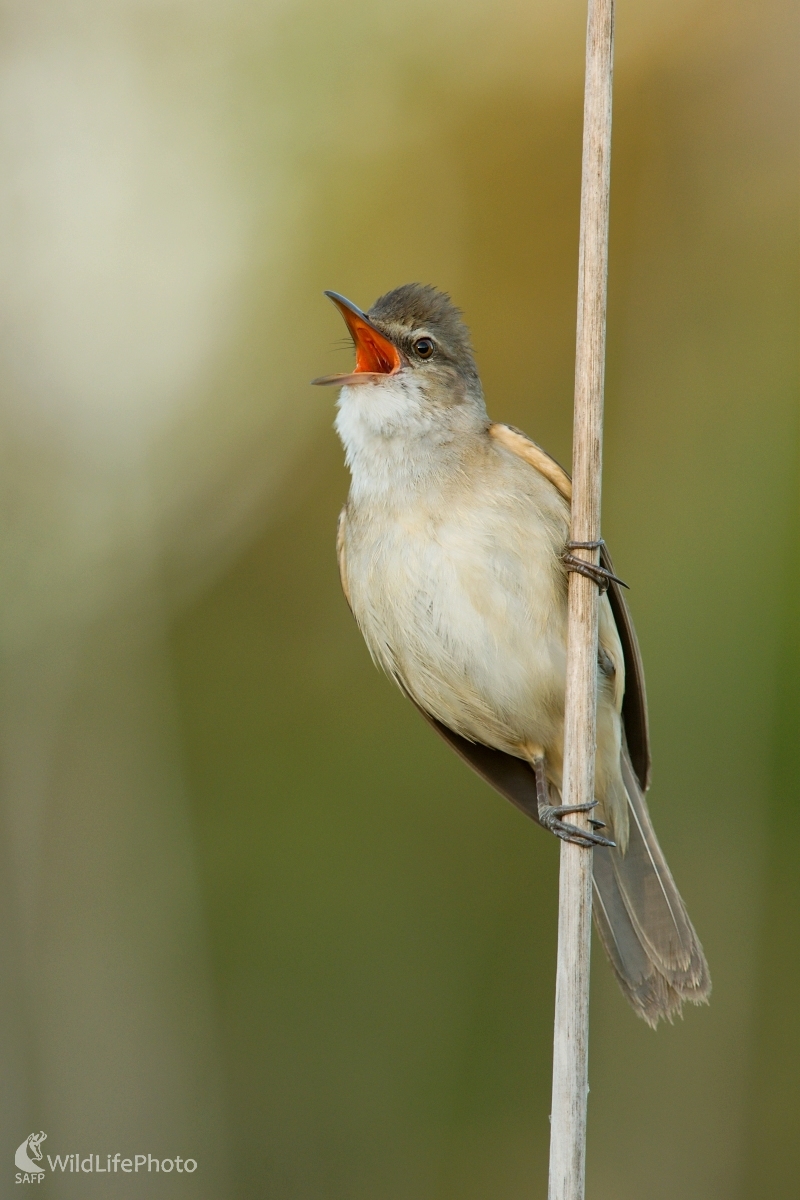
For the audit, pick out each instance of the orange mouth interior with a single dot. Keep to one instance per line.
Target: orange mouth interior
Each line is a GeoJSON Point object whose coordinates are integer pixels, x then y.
{"type": "Point", "coordinates": [375, 354]}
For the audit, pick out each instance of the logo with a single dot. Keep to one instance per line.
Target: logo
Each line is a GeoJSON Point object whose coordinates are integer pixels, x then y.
{"type": "Point", "coordinates": [33, 1144]}
{"type": "Point", "coordinates": [29, 1156]}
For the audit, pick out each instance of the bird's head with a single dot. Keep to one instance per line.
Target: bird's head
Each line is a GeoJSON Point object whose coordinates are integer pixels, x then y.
{"type": "Point", "coordinates": [414, 370]}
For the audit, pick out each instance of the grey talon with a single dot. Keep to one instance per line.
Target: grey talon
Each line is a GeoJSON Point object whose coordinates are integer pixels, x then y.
{"type": "Point", "coordinates": [599, 575]}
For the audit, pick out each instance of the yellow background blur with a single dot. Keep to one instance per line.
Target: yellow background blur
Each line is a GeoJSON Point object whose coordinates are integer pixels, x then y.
{"type": "Point", "coordinates": [251, 910]}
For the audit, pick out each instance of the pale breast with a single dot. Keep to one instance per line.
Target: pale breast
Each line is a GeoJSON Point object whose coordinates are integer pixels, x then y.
{"type": "Point", "coordinates": [461, 597]}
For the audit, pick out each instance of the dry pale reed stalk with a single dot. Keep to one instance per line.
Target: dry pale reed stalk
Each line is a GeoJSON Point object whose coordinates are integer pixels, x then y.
{"type": "Point", "coordinates": [571, 1033]}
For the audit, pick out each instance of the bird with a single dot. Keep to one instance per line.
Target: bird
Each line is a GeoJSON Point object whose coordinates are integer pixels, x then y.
{"type": "Point", "coordinates": [453, 550]}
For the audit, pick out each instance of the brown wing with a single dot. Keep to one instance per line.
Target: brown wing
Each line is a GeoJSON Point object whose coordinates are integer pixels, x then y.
{"type": "Point", "coordinates": [521, 445]}
{"type": "Point", "coordinates": [634, 704]}
{"type": "Point", "coordinates": [510, 776]}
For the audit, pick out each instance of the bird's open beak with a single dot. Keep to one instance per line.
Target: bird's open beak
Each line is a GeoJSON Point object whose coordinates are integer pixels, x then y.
{"type": "Point", "coordinates": [375, 354]}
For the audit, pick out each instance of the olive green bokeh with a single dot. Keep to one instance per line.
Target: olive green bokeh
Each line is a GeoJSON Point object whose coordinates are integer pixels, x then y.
{"type": "Point", "coordinates": [354, 938]}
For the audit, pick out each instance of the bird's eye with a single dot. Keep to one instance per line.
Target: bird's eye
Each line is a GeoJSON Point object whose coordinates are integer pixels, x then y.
{"type": "Point", "coordinates": [424, 347]}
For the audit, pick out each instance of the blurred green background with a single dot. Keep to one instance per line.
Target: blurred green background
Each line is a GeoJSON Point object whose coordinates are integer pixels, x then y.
{"type": "Point", "coordinates": [251, 910]}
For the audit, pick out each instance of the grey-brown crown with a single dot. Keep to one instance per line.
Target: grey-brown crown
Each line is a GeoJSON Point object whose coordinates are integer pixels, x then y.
{"type": "Point", "coordinates": [418, 306]}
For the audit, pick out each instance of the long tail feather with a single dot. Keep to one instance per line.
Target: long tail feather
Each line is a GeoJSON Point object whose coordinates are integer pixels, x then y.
{"type": "Point", "coordinates": [642, 920]}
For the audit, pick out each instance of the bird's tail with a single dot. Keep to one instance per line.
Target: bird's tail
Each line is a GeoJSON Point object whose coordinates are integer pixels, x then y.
{"type": "Point", "coordinates": [642, 921]}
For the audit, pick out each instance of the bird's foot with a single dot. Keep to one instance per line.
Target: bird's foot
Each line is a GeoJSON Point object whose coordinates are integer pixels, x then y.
{"type": "Point", "coordinates": [599, 575]}
{"type": "Point", "coordinates": [550, 818]}
{"type": "Point", "coordinates": [550, 815]}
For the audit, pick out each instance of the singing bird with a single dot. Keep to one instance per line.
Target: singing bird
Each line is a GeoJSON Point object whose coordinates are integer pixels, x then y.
{"type": "Point", "coordinates": [453, 552]}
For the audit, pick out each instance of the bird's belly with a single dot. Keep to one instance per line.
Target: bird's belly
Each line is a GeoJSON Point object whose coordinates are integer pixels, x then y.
{"type": "Point", "coordinates": [471, 623]}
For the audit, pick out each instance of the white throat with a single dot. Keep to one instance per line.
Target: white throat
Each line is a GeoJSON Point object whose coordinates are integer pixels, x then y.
{"type": "Point", "coordinates": [396, 439]}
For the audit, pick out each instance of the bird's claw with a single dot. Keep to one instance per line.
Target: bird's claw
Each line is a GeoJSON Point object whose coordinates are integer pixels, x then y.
{"type": "Point", "coordinates": [599, 575]}
{"type": "Point", "coordinates": [550, 814]}
{"type": "Point", "coordinates": [550, 818]}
